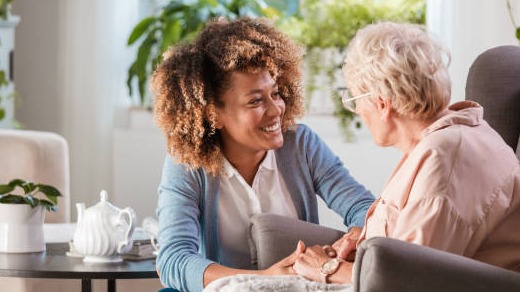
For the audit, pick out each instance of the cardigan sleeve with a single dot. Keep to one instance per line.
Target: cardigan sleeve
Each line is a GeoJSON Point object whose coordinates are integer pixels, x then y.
{"type": "Point", "coordinates": [333, 183]}
{"type": "Point", "coordinates": [179, 264]}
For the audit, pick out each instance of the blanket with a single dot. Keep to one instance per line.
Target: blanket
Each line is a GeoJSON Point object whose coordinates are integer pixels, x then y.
{"type": "Point", "coordinates": [272, 283]}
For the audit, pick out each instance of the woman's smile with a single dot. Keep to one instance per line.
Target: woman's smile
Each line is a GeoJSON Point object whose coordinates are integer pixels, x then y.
{"type": "Point", "coordinates": [274, 128]}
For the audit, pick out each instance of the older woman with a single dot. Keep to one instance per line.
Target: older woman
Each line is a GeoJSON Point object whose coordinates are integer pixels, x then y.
{"type": "Point", "coordinates": [227, 103]}
{"type": "Point", "coordinates": [457, 186]}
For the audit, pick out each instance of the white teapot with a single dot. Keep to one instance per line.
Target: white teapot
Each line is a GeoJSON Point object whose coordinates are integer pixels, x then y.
{"type": "Point", "coordinates": [102, 233]}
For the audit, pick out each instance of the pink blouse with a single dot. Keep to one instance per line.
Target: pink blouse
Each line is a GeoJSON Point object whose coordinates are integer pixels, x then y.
{"type": "Point", "coordinates": [458, 190]}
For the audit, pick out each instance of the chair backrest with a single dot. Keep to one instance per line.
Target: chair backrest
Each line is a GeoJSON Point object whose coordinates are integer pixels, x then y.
{"type": "Point", "coordinates": [41, 157]}
{"type": "Point", "coordinates": [494, 82]}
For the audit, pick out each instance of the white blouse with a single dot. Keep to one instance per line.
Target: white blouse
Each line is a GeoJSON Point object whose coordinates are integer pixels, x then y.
{"type": "Point", "coordinates": [238, 201]}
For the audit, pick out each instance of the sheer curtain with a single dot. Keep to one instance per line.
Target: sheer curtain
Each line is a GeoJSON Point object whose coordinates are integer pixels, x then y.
{"type": "Point", "coordinates": [71, 76]}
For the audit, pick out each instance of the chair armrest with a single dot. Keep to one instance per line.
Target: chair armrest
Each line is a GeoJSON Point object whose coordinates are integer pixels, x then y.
{"type": "Point", "coordinates": [274, 237]}
{"type": "Point", "coordinates": [386, 264]}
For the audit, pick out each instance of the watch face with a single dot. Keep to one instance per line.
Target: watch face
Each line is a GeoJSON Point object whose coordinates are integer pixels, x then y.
{"type": "Point", "coordinates": [330, 266]}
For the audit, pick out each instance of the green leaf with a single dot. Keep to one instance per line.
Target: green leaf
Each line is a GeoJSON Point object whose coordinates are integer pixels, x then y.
{"type": "Point", "coordinates": [28, 187]}
{"type": "Point", "coordinates": [173, 7]}
{"type": "Point", "coordinates": [48, 190]}
{"type": "Point", "coordinates": [131, 74]}
{"type": "Point", "coordinates": [2, 113]}
{"type": "Point", "coordinates": [49, 206]}
{"type": "Point", "coordinates": [139, 68]}
{"type": "Point", "coordinates": [143, 57]}
{"type": "Point", "coordinates": [271, 12]}
{"type": "Point", "coordinates": [3, 79]}
{"type": "Point", "coordinates": [518, 33]}
{"type": "Point", "coordinates": [140, 29]}
{"type": "Point", "coordinates": [171, 34]}
{"type": "Point", "coordinates": [4, 189]}
{"type": "Point", "coordinates": [12, 199]}
{"type": "Point", "coordinates": [17, 183]}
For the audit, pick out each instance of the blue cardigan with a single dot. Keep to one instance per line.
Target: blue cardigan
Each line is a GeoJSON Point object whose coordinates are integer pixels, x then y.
{"type": "Point", "coordinates": [188, 204]}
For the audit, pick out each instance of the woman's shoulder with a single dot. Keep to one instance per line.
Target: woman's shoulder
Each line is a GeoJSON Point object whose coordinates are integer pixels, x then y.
{"type": "Point", "coordinates": [299, 132]}
{"type": "Point", "coordinates": [175, 170]}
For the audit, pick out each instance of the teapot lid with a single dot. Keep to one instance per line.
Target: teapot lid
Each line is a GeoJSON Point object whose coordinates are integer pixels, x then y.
{"type": "Point", "coordinates": [104, 196]}
{"type": "Point", "coordinates": [103, 205]}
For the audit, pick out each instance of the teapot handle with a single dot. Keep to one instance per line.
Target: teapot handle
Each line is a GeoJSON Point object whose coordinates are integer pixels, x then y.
{"type": "Point", "coordinates": [126, 244]}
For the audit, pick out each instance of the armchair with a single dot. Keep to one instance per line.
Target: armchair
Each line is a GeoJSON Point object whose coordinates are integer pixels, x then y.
{"type": "Point", "coordinates": [385, 264]}
{"type": "Point", "coordinates": [494, 82]}
{"type": "Point", "coordinates": [41, 157]}
{"type": "Point", "coordinates": [382, 264]}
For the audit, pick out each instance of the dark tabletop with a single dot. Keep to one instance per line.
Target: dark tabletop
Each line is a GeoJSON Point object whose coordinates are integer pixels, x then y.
{"type": "Point", "coordinates": [53, 263]}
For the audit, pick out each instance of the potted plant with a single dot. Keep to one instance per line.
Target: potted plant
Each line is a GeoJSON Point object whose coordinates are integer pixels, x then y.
{"type": "Point", "coordinates": [22, 212]}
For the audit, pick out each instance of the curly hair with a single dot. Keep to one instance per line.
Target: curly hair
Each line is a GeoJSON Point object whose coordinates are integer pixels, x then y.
{"type": "Point", "coordinates": [189, 82]}
{"type": "Point", "coordinates": [402, 62]}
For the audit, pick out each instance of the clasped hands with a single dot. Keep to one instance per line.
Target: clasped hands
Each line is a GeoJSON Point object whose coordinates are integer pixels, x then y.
{"type": "Point", "coordinates": [308, 261]}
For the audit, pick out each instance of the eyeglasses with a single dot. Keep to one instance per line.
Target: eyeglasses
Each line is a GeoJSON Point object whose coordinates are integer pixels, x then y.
{"type": "Point", "coordinates": [349, 101]}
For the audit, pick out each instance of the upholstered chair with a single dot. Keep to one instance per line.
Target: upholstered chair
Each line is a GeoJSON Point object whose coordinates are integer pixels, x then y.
{"type": "Point", "coordinates": [40, 157]}
{"type": "Point", "coordinates": [494, 82]}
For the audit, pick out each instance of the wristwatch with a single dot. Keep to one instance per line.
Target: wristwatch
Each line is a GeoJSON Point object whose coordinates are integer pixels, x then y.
{"type": "Point", "coordinates": [329, 267]}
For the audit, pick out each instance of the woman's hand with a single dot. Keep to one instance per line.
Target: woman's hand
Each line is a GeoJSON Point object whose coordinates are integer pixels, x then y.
{"type": "Point", "coordinates": [345, 247]}
{"type": "Point", "coordinates": [309, 263]}
{"type": "Point", "coordinates": [285, 266]}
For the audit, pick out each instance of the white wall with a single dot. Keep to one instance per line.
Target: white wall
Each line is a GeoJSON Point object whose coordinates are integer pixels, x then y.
{"type": "Point", "coordinates": [468, 28]}
{"type": "Point", "coordinates": [70, 72]}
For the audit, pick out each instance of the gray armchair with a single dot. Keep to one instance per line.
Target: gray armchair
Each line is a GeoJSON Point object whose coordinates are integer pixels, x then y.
{"type": "Point", "coordinates": [385, 264]}
{"type": "Point", "coordinates": [494, 82]}
{"type": "Point", "coordinates": [382, 264]}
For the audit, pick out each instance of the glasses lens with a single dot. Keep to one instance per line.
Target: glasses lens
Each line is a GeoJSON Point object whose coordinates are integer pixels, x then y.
{"type": "Point", "coordinates": [347, 101]}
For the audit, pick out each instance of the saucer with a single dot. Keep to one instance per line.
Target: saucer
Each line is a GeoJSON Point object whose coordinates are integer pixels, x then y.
{"type": "Point", "coordinates": [74, 255]}
{"type": "Point", "coordinates": [98, 259]}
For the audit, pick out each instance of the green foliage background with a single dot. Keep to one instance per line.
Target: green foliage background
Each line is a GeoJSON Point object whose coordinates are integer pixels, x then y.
{"type": "Point", "coordinates": [180, 21]}
{"type": "Point", "coordinates": [330, 25]}
{"type": "Point", "coordinates": [316, 24]}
